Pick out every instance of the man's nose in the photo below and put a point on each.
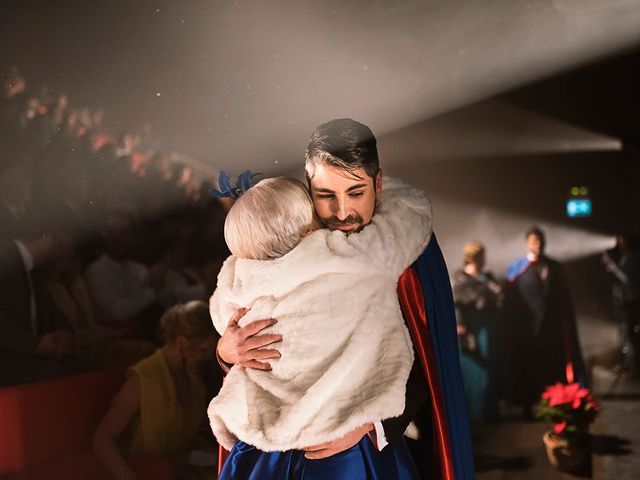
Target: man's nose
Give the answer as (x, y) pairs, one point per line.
(341, 210)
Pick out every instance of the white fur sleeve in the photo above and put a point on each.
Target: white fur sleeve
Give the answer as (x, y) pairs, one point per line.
(219, 307)
(400, 230)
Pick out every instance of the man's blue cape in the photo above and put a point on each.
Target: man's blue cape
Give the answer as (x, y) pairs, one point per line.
(434, 278)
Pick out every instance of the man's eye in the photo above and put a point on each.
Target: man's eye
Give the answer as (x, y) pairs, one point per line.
(356, 194)
(326, 196)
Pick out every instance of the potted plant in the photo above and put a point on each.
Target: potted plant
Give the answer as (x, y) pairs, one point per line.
(571, 409)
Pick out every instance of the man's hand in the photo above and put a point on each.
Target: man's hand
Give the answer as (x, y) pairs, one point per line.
(244, 347)
(325, 450)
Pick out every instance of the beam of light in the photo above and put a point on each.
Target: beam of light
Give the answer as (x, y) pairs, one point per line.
(272, 72)
(503, 235)
(489, 130)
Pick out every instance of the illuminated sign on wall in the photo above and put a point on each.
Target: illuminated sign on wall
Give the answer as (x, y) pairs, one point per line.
(579, 204)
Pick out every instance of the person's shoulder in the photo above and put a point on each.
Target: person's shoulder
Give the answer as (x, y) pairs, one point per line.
(137, 267)
(518, 262)
(552, 262)
(459, 276)
(490, 276)
(98, 264)
(516, 267)
(148, 367)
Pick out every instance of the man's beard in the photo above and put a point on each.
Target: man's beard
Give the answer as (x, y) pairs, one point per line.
(332, 223)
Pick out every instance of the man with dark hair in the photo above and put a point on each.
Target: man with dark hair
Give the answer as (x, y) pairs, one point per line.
(345, 181)
(345, 144)
(539, 308)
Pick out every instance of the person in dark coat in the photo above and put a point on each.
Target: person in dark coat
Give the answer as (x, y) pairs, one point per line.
(543, 336)
(623, 265)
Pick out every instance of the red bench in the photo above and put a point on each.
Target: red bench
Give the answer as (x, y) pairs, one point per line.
(46, 430)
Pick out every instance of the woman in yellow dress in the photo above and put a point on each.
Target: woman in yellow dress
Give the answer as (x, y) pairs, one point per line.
(161, 408)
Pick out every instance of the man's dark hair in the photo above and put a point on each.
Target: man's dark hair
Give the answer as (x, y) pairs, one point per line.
(536, 231)
(342, 143)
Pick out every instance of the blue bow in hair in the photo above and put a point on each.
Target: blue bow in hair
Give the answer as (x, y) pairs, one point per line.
(243, 184)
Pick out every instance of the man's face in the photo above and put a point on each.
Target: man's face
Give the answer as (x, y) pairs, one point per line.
(342, 200)
(119, 237)
(534, 245)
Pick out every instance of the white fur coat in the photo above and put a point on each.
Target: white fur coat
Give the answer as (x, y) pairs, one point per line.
(346, 352)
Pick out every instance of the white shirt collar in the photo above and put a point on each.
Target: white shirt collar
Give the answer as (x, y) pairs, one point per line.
(531, 257)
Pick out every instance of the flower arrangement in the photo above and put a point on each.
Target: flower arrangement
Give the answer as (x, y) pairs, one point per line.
(570, 408)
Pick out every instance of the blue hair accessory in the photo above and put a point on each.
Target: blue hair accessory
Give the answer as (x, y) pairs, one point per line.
(244, 183)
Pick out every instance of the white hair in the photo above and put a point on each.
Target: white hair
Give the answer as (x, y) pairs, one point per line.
(270, 219)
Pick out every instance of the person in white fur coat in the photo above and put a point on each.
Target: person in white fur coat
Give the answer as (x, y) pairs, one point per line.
(346, 353)
(345, 181)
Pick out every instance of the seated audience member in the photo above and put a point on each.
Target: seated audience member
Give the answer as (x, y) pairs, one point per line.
(122, 289)
(181, 283)
(161, 408)
(35, 343)
(72, 303)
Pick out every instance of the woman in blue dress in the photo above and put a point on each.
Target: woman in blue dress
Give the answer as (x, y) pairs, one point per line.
(478, 299)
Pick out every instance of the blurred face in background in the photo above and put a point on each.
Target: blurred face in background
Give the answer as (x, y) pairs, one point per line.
(535, 245)
(119, 236)
(480, 260)
(344, 200)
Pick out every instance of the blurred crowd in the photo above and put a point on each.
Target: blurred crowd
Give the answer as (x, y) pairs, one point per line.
(101, 233)
(519, 334)
(109, 248)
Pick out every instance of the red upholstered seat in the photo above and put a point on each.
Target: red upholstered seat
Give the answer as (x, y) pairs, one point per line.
(85, 466)
(46, 429)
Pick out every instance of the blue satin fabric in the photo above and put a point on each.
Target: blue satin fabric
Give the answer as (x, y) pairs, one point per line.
(361, 462)
(434, 277)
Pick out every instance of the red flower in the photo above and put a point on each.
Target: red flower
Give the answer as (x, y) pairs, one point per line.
(560, 394)
(558, 428)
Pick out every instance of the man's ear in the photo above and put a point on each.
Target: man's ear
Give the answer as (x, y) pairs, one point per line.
(379, 182)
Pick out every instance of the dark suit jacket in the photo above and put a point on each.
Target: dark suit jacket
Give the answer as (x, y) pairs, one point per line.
(16, 333)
